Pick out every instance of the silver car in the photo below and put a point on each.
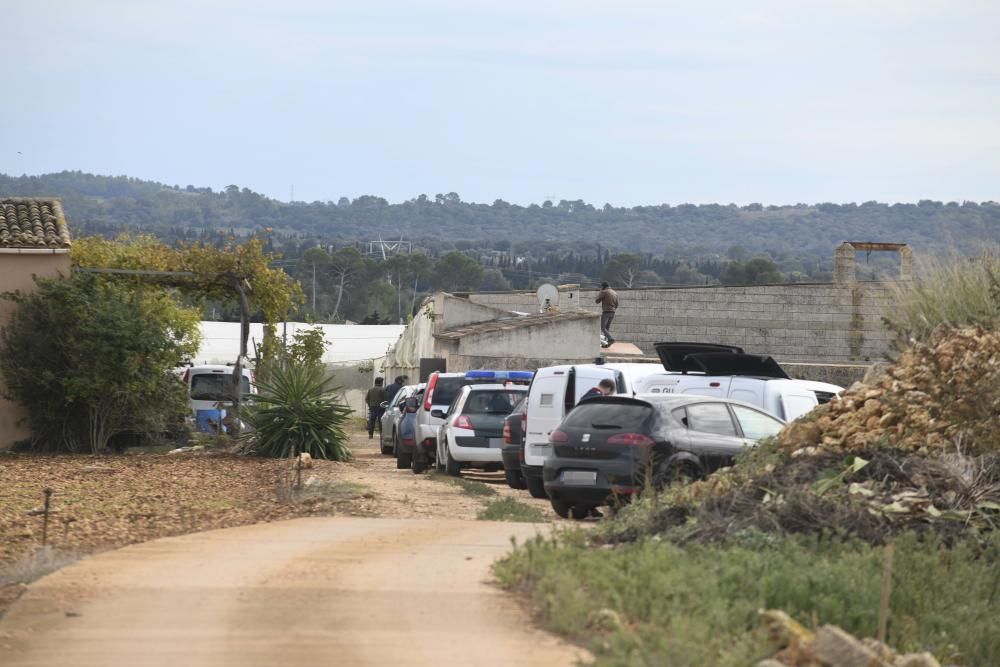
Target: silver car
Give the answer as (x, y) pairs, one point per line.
(392, 416)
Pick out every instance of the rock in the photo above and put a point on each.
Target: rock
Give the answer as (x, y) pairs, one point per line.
(836, 648)
(916, 660)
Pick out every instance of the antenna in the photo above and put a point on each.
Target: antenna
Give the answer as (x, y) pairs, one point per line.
(548, 298)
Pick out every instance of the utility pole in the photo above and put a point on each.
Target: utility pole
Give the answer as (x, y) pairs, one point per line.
(314, 288)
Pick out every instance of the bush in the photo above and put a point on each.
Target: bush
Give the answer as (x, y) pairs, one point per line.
(299, 407)
(955, 290)
(656, 603)
(91, 358)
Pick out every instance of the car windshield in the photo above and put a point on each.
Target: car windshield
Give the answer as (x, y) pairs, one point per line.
(215, 387)
(608, 415)
(499, 402)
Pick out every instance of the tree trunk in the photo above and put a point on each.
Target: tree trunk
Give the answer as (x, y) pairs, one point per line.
(340, 295)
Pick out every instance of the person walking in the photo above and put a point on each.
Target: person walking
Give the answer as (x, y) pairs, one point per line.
(393, 389)
(608, 299)
(374, 399)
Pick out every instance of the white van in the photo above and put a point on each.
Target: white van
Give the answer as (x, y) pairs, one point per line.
(208, 387)
(556, 390)
(687, 368)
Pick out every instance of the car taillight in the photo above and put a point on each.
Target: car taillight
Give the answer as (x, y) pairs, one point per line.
(409, 441)
(524, 423)
(557, 437)
(429, 393)
(631, 440)
(462, 421)
(506, 433)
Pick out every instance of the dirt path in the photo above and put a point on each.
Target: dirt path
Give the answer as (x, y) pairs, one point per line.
(316, 591)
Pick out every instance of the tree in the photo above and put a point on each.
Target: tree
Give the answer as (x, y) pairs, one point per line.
(757, 271)
(90, 358)
(494, 281)
(345, 265)
(622, 270)
(456, 272)
(307, 348)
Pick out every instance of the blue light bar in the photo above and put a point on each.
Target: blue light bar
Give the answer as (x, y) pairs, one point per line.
(499, 375)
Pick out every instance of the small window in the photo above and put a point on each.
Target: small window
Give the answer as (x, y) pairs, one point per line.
(756, 425)
(710, 418)
(545, 400)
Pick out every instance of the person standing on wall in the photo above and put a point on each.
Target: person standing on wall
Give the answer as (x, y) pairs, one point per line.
(374, 399)
(608, 299)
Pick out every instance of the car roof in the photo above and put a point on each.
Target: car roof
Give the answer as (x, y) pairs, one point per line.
(673, 401)
(496, 386)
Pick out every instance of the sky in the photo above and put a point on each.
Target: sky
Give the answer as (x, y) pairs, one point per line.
(627, 102)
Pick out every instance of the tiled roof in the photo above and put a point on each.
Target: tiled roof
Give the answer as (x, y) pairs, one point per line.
(32, 223)
(509, 324)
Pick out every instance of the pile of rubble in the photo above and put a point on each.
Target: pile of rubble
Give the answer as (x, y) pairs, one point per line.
(940, 397)
(830, 646)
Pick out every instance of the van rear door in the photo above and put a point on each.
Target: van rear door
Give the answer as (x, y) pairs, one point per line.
(545, 410)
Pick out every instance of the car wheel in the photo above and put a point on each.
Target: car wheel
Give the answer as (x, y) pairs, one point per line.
(681, 473)
(561, 507)
(515, 479)
(535, 487)
(418, 465)
(454, 467)
(580, 512)
(403, 459)
(388, 449)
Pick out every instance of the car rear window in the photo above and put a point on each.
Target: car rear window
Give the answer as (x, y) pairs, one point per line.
(608, 415)
(215, 386)
(447, 389)
(499, 402)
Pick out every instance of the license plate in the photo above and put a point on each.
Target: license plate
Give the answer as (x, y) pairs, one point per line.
(496, 443)
(583, 477)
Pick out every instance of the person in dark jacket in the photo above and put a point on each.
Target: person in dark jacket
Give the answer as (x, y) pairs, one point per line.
(393, 389)
(374, 399)
(605, 387)
(608, 299)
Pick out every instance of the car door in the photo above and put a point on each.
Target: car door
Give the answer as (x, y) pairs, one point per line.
(712, 434)
(756, 424)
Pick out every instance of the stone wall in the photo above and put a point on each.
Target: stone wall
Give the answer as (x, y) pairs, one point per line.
(811, 323)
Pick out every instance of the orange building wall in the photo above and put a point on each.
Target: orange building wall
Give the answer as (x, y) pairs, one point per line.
(16, 272)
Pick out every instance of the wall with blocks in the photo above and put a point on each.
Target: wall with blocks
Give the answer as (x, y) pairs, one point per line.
(836, 323)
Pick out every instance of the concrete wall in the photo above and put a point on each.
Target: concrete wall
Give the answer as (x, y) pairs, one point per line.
(813, 323)
(16, 273)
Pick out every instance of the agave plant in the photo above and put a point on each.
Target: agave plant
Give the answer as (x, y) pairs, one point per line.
(298, 408)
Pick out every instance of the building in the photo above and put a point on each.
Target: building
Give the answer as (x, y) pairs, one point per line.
(458, 335)
(34, 242)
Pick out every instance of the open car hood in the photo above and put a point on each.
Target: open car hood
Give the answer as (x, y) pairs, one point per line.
(713, 359)
(672, 355)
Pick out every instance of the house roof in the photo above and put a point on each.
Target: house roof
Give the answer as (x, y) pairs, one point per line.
(32, 223)
(512, 323)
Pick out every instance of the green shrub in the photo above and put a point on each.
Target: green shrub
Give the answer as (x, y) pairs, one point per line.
(299, 407)
(954, 289)
(656, 603)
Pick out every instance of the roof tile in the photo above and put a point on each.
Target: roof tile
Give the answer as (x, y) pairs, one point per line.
(32, 223)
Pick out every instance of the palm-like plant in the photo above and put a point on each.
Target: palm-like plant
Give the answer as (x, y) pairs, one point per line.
(298, 408)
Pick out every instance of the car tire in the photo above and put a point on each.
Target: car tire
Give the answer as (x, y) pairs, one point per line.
(580, 512)
(418, 465)
(536, 487)
(680, 473)
(561, 507)
(403, 460)
(453, 467)
(387, 450)
(515, 479)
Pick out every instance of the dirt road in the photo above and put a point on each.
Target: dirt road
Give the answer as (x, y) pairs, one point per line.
(315, 591)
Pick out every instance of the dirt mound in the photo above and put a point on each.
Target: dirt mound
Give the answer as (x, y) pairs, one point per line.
(940, 397)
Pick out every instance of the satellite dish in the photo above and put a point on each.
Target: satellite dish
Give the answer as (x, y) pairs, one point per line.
(548, 297)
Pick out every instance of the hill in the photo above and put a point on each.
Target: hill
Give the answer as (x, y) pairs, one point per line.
(107, 205)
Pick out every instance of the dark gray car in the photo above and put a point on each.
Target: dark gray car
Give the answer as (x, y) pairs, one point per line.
(610, 446)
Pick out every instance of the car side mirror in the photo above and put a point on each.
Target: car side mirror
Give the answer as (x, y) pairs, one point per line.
(384, 404)
(437, 413)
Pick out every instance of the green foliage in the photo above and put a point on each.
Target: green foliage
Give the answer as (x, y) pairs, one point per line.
(510, 509)
(959, 291)
(456, 272)
(622, 270)
(90, 358)
(468, 486)
(655, 603)
(757, 271)
(298, 407)
(307, 347)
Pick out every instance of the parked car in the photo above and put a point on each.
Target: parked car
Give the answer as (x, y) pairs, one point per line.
(512, 451)
(471, 435)
(392, 416)
(210, 389)
(442, 388)
(608, 447)
(406, 435)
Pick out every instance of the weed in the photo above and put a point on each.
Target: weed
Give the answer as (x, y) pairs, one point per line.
(696, 604)
(509, 509)
(469, 487)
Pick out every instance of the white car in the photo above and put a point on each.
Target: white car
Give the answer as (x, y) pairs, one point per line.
(472, 433)
(210, 392)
